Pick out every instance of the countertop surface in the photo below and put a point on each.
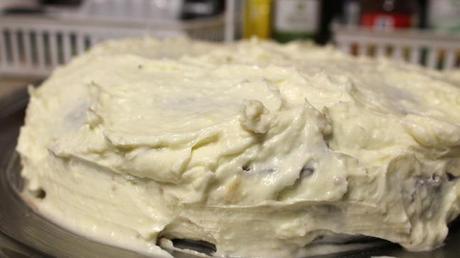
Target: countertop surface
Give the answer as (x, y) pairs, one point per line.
(9, 85)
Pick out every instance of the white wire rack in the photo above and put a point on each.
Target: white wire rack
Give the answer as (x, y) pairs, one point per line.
(430, 49)
(123, 10)
(33, 46)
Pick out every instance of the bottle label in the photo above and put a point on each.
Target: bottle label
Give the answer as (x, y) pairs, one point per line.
(444, 15)
(386, 21)
(296, 15)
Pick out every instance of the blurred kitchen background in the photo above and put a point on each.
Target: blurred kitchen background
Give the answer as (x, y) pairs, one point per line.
(38, 35)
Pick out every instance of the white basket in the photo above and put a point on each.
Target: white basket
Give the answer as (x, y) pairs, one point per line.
(431, 49)
(33, 46)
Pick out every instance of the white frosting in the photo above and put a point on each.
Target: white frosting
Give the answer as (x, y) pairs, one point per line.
(255, 147)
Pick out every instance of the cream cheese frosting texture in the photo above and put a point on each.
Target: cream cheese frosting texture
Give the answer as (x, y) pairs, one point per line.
(255, 147)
